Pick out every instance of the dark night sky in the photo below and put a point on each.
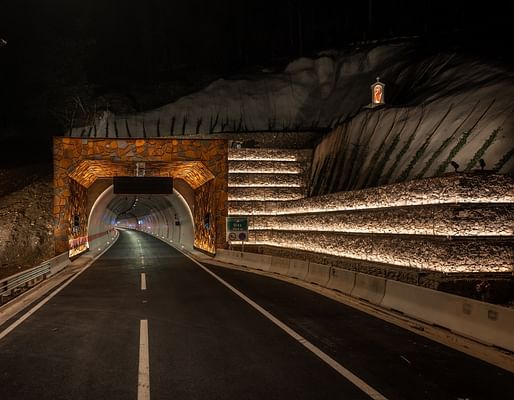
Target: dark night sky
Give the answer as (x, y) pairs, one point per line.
(56, 48)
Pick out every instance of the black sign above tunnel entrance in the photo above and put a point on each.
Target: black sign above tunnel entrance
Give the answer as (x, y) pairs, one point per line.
(142, 185)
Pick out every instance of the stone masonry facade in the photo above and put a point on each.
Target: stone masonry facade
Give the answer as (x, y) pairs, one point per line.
(78, 162)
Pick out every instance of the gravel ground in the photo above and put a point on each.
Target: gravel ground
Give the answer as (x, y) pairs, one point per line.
(26, 222)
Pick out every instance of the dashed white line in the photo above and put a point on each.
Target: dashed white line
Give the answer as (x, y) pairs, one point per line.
(143, 381)
(143, 281)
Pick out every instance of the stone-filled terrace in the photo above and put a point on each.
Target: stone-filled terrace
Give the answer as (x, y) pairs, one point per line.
(457, 223)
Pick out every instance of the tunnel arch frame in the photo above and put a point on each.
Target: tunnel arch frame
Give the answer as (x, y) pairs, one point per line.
(71, 187)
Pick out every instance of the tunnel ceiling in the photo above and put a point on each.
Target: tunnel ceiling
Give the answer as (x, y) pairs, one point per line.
(125, 206)
(195, 173)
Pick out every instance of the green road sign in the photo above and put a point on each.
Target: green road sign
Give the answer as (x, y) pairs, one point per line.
(237, 229)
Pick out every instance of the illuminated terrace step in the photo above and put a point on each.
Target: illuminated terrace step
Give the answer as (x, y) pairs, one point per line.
(265, 180)
(450, 189)
(266, 167)
(439, 220)
(265, 193)
(423, 253)
(269, 155)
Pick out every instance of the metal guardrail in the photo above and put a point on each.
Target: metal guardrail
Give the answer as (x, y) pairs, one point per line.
(15, 284)
(24, 278)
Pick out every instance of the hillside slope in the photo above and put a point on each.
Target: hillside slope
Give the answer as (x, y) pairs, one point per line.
(441, 107)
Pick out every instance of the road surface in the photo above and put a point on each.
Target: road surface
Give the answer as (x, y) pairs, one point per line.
(145, 321)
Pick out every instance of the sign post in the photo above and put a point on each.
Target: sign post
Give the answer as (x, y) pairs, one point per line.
(237, 229)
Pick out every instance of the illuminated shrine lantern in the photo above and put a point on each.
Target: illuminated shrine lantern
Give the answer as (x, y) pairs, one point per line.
(377, 93)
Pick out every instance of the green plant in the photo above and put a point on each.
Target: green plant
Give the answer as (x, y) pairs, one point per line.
(481, 151)
(460, 144)
(376, 154)
(504, 160)
(375, 177)
(387, 176)
(399, 156)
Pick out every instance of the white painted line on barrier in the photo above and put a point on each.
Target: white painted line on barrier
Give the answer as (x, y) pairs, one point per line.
(143, 281)
(354, 379)
(143, 381)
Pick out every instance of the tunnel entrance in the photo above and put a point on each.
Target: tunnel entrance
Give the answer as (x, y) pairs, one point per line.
(87, 210)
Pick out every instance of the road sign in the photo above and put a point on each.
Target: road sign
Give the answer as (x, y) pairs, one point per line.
(237, 229)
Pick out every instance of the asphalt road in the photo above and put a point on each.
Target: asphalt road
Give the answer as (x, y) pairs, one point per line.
(205, 342)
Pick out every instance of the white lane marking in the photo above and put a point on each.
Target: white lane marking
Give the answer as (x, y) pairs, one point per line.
(143, 281)
(370, 391)
(24, 317)
(143, 381)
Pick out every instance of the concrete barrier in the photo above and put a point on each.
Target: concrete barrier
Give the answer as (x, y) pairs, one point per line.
(229, 256)
(481, 321)
(318, 273)
(298, 269)
(486, 323)
(341, 280)
(256, 261)
(279, 265)
(250, 260)
(59, 262)
(368, 287)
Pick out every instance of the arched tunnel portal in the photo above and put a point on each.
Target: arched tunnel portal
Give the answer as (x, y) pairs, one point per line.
(86, 208)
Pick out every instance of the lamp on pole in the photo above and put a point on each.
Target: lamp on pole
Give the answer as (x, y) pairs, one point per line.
(3, 42)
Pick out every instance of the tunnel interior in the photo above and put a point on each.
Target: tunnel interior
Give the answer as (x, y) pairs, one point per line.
(165, 216)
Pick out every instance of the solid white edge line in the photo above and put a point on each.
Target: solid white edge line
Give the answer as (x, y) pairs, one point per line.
(29, 313)
(143, 281)
(143, 381)
(354, 379)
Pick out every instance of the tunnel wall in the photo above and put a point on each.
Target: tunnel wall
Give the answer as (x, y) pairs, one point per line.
(173, 223)
(101, 221)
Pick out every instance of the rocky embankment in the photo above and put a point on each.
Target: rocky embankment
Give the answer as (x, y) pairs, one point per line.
(26, 222)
